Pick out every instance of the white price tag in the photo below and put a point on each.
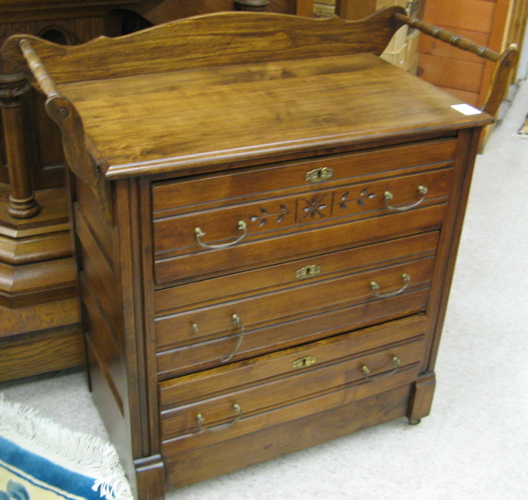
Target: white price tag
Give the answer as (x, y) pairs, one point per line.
(466, 109)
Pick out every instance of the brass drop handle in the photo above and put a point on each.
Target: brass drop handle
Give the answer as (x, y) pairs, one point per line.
(402, 208)
(366, 370)
(237, 323)
(242, 226)
(200, 419)
(375, 287)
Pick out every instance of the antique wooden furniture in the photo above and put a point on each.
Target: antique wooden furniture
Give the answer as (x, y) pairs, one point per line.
(266, 220)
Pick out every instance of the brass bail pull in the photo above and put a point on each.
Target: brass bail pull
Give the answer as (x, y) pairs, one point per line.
(199, 234)
(366, 370)
(200, 420)
(375, 287)
(388, 196)
(237, 323)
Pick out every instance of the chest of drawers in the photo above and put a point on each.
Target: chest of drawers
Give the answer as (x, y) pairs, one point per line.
(265, 236)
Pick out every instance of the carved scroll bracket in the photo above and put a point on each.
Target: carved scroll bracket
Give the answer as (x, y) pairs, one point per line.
(500, 80)
(65, 115)
(80, 161)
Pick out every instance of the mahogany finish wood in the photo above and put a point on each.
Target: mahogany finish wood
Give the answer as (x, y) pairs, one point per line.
(266, 223)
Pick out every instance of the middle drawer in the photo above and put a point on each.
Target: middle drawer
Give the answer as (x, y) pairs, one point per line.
(360, 286)
(196, 403)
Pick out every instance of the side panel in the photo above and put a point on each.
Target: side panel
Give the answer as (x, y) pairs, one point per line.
(111, 306)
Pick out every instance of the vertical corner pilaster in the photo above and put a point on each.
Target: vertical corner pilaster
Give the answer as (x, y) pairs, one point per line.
(150, 477)
(422, 397)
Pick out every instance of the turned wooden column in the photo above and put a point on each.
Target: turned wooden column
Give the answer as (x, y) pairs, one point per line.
(22, 203)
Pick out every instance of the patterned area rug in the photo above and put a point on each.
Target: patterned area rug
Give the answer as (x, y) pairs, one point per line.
(523, 131)
(41, 460)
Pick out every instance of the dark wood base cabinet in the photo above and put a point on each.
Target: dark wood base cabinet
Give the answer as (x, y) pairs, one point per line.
(266, 220)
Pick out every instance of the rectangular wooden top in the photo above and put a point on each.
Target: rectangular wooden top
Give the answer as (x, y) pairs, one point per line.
(165, 122)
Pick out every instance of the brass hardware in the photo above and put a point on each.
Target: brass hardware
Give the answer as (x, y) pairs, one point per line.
(237, 323)
(307, 272)
(195, 328)
(402, 208)
(241, 225)
(375, 287)
(200, 419)
(319, 175)
(366, 370)
(303, 362)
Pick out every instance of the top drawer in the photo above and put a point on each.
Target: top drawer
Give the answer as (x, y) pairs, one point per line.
(210, 236)
(183, 196)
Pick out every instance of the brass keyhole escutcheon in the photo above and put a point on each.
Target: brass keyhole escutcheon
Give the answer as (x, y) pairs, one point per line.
(319, 175)
(303, 362)
(307, 272)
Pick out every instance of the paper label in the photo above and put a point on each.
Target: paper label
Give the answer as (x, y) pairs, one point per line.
(466, 109)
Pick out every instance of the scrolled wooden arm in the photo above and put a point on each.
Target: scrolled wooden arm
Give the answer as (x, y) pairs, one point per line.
(38, 70)
(65, 115)
(500, 80)
(446, 36)
(505, 62)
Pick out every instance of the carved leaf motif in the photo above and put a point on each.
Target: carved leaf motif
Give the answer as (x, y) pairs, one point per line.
(280, 218)
(364, 194)
(343, 201)
(265, 215)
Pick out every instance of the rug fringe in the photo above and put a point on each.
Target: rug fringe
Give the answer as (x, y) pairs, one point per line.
(29, 429)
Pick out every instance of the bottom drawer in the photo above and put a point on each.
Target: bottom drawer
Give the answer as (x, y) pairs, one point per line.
(188, 466)
(208, 407)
